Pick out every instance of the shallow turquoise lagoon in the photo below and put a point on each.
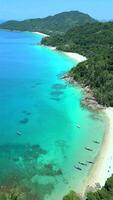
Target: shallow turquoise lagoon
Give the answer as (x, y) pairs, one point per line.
(39, 140)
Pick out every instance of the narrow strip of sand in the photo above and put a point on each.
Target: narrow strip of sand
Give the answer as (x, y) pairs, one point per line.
(103, 167)
(42, 34)
(75, 56)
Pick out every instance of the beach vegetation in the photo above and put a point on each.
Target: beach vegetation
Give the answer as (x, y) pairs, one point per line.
(71, 196)
(106, 193)
(94, 41)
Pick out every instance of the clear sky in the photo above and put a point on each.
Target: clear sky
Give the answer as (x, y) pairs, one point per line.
(22, 9)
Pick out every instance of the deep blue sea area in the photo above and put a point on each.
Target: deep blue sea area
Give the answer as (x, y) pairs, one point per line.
(40, 142)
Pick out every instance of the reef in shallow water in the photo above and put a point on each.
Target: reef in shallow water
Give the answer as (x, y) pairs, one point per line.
(20, 180)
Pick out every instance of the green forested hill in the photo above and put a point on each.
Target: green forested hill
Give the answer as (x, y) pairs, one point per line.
(95, 41)
(87, 39)
(58, 23)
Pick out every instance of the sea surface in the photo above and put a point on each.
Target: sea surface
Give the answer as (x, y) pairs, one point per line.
(40, 141)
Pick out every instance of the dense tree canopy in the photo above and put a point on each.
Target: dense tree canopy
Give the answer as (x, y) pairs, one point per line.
(58, 23)
(95, 41)
(71, 196)
(106, 193)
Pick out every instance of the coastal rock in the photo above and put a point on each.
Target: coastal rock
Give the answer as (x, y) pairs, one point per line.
(69, 79)
(88, 100)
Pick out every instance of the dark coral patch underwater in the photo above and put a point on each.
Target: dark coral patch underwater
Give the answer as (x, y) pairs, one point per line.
(24, 120)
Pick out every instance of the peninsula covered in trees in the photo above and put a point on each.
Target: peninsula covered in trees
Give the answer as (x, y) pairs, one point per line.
(59, 23)
(95, 41)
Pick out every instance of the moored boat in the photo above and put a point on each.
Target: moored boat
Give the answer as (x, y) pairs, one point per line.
(19, 133)
(78, 168)
(88, 149)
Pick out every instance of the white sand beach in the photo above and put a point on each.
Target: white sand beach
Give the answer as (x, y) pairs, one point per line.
(52, 48)
(103, 167)
(75, 56)
(42, 34)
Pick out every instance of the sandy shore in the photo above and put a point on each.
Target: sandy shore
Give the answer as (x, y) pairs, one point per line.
(75, 56)
(103, 167)
(42, 34)
(50, 47)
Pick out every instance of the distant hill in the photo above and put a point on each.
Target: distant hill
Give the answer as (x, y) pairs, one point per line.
(58, 23)
(95, 41)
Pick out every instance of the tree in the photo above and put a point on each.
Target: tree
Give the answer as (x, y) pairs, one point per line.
(71, 196)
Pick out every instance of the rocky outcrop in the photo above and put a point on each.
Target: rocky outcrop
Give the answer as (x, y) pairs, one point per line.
(88, 100)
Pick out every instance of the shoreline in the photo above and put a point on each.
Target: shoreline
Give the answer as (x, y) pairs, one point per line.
(74, 56)
(40, 33)
(103, 167)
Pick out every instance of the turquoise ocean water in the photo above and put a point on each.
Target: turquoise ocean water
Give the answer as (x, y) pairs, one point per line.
(39, 141)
